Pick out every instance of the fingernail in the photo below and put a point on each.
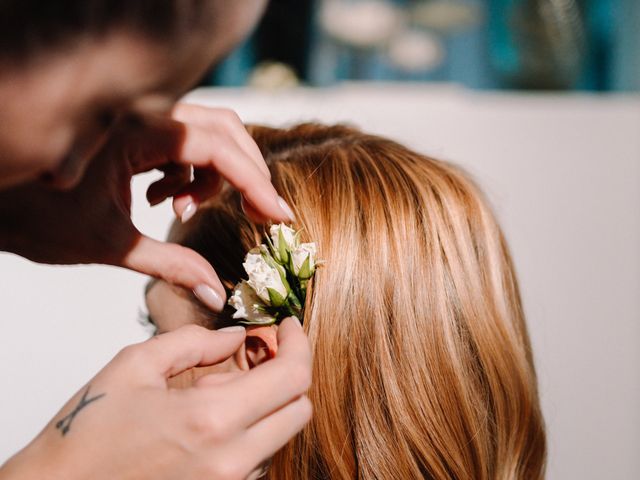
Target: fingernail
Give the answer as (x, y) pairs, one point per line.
(232, 329)
(189, 211)
(209, 297)
(286, 209)
(297, 320)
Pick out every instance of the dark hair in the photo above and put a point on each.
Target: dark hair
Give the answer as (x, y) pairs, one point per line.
(28, 27)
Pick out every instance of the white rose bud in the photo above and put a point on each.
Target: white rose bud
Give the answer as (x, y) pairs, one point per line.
(304, 260)
(247, 305)
(284, 240)
(288, 233)
(265, 280)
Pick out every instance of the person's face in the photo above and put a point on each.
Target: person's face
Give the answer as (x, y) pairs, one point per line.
(55, 113)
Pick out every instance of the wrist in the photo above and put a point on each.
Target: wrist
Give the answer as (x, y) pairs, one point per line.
(32, 463)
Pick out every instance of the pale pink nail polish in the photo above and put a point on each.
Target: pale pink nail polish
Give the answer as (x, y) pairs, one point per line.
(232, 329)
(189, 211)
(286, 209)
(209, 297)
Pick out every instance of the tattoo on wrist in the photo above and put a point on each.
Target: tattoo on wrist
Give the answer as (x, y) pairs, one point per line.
(64, 424)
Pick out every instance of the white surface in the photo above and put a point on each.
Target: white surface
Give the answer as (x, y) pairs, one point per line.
(564, 175)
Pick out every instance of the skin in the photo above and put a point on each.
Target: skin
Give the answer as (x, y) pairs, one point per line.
(109, 105)
(171, 308)
(42, 122)
(75, 127)
(143, 429)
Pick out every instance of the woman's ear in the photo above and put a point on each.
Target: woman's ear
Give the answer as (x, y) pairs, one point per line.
(260, 345)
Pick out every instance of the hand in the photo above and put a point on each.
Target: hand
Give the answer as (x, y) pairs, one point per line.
(126, 423)
(91, 221)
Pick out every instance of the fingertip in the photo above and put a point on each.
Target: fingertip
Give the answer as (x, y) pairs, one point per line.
(184, 207)
(251, 212)
(294, 321)
(188, 212)
(292, 340)
(208, 296)
(178, 265)
(232, 329)
(286, 209)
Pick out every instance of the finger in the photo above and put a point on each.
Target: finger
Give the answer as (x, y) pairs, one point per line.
(189, 377)
(285, 378)
(204, 149)
(266, 437)
(177, 265)
(206, 184)
(168, 354)
(214, 118)
(215, 379)
(251, 212)
(175, 179)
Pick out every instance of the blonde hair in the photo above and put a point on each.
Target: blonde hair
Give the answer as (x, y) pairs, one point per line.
(422, 362)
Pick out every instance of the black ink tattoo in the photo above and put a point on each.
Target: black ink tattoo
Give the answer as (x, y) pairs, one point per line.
(64, 425)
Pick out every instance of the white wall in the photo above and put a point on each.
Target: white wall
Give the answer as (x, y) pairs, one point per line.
(564, 175)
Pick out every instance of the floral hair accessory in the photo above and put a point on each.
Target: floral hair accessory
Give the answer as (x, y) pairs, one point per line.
(279, 273)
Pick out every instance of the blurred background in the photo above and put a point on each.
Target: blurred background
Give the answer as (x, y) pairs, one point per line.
(484, 44)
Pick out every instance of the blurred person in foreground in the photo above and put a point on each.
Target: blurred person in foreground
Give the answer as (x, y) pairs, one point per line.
(88, 99)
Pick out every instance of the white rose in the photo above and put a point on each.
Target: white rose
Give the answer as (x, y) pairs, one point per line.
(288, 233)
(263, 277)
(300, 255)
(290, 242)
(247, 305)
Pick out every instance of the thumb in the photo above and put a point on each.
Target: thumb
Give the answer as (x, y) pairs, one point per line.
(171, 353)
(177, 265)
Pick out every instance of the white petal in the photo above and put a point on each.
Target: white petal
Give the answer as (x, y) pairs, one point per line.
(288, 233)
(301, 253)
(263, 276)
(247, 303)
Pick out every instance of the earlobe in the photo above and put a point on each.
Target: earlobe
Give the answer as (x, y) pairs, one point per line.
(261, 344)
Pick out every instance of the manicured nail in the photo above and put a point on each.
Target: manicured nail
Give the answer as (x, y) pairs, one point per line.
(297, 320)
(286, 209)
(232, 329)
(189, 211)
(209, 297)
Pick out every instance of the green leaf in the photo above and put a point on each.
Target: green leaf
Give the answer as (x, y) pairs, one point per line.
(283, 249)
(294, 300)
(290, 266)
(305, 270)
(275, 298)
(283, 275)
(271, 247)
